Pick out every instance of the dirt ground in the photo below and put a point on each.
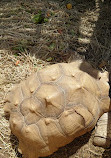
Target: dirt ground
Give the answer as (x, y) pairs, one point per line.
(63, 35)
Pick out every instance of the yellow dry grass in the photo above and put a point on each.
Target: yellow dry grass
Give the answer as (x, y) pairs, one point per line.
(25, 47)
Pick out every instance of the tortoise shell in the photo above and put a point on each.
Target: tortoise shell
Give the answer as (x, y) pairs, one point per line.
(55, 105)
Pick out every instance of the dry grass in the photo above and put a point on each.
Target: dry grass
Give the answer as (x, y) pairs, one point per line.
(25, 47)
